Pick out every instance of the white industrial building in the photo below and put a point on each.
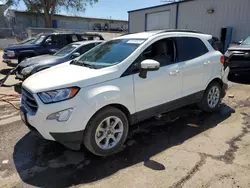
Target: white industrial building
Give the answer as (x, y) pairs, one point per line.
(228, 20)
(21, 20)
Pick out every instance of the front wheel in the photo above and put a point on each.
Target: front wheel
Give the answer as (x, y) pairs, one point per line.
(106, 132)
(211, 98)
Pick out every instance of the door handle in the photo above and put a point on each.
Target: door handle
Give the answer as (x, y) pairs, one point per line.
(174, 73)
(206, 62)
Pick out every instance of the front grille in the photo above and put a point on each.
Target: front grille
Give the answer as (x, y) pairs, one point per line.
(29, 102)
(239, 58)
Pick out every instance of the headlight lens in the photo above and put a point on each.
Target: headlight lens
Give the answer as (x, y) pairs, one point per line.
(28, 70)
(58, 95)
(10, 53)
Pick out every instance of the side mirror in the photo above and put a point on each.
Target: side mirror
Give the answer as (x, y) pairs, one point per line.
(75, 55)
(240, 42)
(148, 65)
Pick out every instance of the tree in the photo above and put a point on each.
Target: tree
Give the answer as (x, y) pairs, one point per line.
(50, 7)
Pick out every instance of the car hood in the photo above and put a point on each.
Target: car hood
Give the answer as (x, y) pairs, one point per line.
(41, 60)
(21, 46)
(239, 47)
(67, 75)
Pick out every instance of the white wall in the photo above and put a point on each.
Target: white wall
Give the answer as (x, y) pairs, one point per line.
(137, 19)
(193, 15)
(227, 13)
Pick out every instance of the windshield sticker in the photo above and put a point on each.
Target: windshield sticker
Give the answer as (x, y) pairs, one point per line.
(135, 41)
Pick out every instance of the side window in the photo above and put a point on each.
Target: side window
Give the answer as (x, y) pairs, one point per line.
(85, 48)
(74, 38)
(162, 51)
(190, 48)
(48, 41)
(53, 40)
(216, 44)
(61, 40)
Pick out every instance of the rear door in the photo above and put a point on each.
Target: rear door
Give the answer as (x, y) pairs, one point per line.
(194, 64)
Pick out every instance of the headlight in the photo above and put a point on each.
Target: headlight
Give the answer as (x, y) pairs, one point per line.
(58, 95)
(10, 53)
(28, 70)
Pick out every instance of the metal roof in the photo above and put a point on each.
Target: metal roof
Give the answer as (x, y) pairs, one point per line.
(167, 4)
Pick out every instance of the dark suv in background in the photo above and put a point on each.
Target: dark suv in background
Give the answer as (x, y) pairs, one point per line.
(47, 43)
(237, 58)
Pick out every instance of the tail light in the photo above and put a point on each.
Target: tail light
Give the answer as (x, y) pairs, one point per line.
(222, 59)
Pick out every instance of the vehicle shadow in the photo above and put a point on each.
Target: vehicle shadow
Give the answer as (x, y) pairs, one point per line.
(43, 163)
(5, 71)
(239, 78)
(18, 88)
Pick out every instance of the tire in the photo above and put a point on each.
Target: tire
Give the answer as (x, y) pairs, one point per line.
(97, 129)
(211, 99)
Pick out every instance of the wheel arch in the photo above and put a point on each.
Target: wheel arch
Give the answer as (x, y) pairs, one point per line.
(121, 107)
(218, 80)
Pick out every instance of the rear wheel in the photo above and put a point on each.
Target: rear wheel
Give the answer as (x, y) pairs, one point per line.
(106, 132)
(211, 98)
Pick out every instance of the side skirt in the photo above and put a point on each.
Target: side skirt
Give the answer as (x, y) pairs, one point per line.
(166, 107)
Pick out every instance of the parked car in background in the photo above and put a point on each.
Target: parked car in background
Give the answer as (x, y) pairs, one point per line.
(47, 43)
(32, 65)
(238, 58)
(26, 41)
(94, 100)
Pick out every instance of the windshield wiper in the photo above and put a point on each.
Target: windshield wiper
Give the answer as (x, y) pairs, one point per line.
(75, 62)
(81, 63)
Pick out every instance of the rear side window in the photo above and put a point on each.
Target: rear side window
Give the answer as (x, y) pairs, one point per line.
(86, 48)
(189, 48)
(216, 44)
(74, 38)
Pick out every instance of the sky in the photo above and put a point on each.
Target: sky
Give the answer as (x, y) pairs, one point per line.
(117, 9)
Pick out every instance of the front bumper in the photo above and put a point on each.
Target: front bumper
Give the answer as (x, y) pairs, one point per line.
(7, 59)
(237, 63)
(69, 133)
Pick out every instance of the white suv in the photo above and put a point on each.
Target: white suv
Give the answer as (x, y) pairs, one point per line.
(93, 100)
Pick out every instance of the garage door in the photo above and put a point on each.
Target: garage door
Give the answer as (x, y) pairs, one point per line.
(157, 20)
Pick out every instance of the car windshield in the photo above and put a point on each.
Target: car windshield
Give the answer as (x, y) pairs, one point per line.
(247, 41)
(67, 50)
(110, 53)
(39, 39)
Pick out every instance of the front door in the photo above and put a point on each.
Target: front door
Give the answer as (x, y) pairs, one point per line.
(157, 93)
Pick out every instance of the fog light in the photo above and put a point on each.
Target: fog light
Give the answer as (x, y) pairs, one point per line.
(61, 116)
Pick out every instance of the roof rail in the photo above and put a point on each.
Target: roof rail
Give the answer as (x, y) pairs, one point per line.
(179, 30)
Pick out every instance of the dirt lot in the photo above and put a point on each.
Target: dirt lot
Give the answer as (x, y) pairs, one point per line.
(187, 148)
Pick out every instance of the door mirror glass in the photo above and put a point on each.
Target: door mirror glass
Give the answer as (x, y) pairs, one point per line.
(75, 55)
(148, 65)
(240, 42)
